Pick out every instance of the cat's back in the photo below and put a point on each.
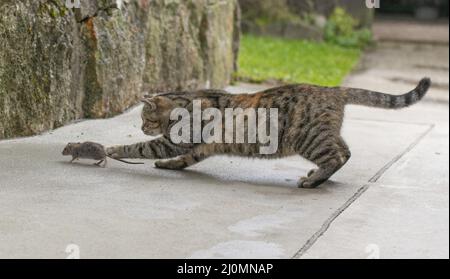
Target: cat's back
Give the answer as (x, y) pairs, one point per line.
(301, 89)
(286, 96)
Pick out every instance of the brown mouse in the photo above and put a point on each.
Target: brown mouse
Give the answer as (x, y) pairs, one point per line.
(90, 150)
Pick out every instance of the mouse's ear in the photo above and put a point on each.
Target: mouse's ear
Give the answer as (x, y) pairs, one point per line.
(149, 103)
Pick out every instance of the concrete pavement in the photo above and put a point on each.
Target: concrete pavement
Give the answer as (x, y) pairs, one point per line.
(390, 200)
(404, 211)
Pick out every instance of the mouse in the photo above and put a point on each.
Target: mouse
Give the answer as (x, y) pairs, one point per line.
(90, 150)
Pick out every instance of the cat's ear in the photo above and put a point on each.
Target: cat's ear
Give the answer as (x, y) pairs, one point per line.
(181, 103)
(149, 102)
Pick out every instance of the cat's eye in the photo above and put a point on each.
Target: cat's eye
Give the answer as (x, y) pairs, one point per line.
(151, 124)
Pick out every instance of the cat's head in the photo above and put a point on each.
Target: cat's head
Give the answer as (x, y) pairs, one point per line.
(156, 114)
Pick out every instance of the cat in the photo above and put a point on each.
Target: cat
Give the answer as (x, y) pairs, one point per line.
(309, 125)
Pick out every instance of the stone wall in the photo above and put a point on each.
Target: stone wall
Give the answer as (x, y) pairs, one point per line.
(59, 64)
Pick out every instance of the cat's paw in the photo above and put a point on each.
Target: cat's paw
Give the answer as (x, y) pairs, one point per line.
(305, 182)
(115, 152)
(170, 165)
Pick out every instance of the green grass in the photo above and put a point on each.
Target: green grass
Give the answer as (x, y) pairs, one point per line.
(294, 61)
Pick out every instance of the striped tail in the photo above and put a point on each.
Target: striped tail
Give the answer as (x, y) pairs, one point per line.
(387, 101)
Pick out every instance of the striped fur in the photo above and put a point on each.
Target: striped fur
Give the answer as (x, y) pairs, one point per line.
(386, 101)
(309, 121)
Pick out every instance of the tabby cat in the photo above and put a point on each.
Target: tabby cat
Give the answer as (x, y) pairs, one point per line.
(309, 125)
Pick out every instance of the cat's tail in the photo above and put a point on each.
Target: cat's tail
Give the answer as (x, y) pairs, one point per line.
(387, 101)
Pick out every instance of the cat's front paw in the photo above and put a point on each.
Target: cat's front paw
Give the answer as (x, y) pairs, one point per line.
(115, 152)
(170, 165)
(306, 182)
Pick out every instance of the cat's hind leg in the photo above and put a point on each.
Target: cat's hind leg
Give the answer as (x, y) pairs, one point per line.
(329, 156)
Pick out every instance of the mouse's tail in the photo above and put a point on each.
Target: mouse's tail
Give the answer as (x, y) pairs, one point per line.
(126, 162)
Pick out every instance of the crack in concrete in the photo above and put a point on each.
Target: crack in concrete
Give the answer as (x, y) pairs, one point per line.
(310, 242)
(399, 156)
(326, 225)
